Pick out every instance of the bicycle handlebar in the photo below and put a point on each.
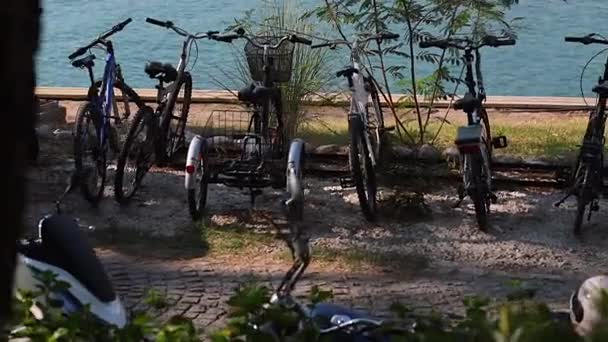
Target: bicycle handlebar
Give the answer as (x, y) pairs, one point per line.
(170, 25)
(332, 44)
(588, 39)
(463, 44)
(116, 28)
(240, 33)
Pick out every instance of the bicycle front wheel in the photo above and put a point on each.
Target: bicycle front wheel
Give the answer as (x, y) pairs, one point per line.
(136, 157)
(375, 122)
(89, 154)
(362, 169)
(477, 191)
(174, 120)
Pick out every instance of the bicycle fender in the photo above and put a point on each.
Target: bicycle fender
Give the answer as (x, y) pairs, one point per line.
(294, 160)
(194, 152)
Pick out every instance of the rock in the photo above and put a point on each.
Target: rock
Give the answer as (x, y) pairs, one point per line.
(451, 153)
(429, 152)
(403, 152)
(330, 149)
(507, 159)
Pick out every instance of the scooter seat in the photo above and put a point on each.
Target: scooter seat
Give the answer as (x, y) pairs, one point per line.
(65, 246)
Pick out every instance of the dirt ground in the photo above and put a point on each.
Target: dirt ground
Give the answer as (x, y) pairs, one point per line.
(436, 258)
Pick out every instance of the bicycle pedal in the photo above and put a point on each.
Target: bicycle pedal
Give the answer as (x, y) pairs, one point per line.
(499, 142)
(347, 182)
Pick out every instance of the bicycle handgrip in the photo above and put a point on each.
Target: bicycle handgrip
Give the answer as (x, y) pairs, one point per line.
(227, 38)
(77, 53)
(505, 42)
(432, 43)
(574, 39)
(122, 25)
(295, 39)
(158, 22)
(389, 35)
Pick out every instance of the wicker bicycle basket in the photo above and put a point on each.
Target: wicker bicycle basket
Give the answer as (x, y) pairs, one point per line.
(280, 59)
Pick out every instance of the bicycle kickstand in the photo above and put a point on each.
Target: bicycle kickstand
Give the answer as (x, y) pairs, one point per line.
(561, 201)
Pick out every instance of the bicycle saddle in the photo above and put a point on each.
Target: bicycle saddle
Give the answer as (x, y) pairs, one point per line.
(86, 62)
(468, 103)
(63, 245)
(255, 93)
(164, 72)
(601, 89)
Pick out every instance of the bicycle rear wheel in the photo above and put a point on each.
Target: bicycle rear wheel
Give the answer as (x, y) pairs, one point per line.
(362, 170)
(137, 156)
(477, 191)
(375, 122)
(173, 121)
(89, 154)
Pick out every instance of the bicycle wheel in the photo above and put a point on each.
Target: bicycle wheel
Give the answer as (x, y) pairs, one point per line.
(375, 123)
(197, 196)
(173, 121)
(89, 154)
(362, 170)
(137, 156)
(294, 180)
(477, 191)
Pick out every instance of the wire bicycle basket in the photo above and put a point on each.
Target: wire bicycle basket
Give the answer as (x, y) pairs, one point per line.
(280, 59)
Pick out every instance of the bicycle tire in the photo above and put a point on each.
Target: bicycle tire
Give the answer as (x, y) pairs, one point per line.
(197, 197)
(171, 140)
(377, 133)
(86, 116)
(478, 194)
(142, 122)
(366, 190)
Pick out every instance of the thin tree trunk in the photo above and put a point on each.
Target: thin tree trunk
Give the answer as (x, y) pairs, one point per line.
(19, 24)
(408, 20)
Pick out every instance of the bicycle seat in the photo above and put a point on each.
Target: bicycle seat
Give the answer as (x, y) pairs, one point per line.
(86, 62)
(164, 72)
(468, 103)
(256, 93)
(65, 246)
(347, 72)
(601, 89)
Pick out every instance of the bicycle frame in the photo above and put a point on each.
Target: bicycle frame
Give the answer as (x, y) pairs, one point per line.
(105, 104)
(478, 93)
(359, 96)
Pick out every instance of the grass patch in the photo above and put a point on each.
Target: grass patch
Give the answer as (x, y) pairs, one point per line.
(546, 135)
(357, 258)
(234, 240)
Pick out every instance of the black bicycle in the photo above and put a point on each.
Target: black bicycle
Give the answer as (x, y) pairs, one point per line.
(95, 135)
(587, 182)
(474, 141)
(156, 136)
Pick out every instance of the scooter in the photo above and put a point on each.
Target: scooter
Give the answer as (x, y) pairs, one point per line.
(63, 249)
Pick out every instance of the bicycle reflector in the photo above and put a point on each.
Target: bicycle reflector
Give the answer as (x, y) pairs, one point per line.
(468, 139)
(190, 169)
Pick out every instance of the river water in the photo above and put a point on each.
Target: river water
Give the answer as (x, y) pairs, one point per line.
(541, 64)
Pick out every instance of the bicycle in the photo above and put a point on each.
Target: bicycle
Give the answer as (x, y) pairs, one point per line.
(365, 123)
(474, 141)
(587, 179)
(163, 130)
(241, 149)
(94, 135)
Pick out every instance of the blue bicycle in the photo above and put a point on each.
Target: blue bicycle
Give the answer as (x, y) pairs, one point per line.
(95, 135)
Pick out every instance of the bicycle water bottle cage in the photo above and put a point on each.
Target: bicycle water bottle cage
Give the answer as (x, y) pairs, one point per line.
(162, 72)
(602, 88)
(468, 139)
(86, 62)
(468, 103)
